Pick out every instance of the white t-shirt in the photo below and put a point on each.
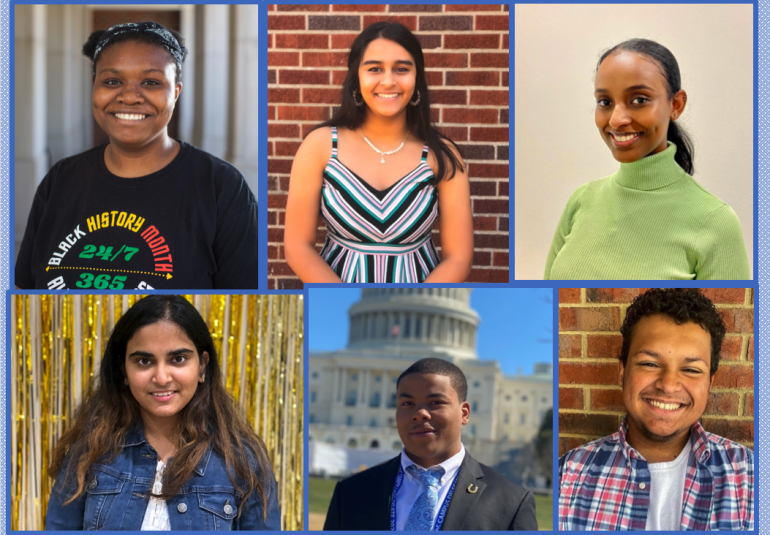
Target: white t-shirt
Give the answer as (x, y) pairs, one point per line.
(667, 492)
(411, 487)
(156, 514)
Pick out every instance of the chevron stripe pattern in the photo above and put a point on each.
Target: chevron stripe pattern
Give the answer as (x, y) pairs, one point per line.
(377, 236)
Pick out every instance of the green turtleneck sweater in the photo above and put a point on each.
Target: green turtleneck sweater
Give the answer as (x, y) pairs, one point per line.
(650, 220)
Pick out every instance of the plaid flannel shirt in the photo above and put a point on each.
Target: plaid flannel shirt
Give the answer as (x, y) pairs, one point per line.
(605, 485)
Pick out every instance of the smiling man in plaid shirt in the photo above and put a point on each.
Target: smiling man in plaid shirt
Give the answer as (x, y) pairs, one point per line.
(661, 470)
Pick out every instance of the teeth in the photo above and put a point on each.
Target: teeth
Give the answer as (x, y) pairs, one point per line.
(162, 394)
(387, 95)
(664, 406)
(624, 137)
(130, 116)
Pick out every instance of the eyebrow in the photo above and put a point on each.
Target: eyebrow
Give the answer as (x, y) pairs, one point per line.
(173, 353)
(377, 61)
(118, 71)
(632, 88)
(436, 395)
(653, 354)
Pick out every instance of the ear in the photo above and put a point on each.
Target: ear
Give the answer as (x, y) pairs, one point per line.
(465, 408)
(678, 104)
(621, 372)
(204, 362)
(177, 90)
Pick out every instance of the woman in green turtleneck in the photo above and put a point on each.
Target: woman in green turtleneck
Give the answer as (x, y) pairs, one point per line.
(650, 220)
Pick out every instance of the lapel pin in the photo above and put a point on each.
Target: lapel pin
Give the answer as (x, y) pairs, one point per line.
(473, 489)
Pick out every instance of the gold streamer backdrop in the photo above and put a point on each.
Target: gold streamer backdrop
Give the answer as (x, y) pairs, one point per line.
(58, 346)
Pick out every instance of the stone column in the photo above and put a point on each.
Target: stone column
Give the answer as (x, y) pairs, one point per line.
(30, 157)
(212, 45)
(336, 386)
(365, 379)
(343, 385)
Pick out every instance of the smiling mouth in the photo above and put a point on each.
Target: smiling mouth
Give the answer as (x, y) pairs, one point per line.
(421, 433)
(672, 407)
(388, 96)
(622, 140)
(130, 116)
(163, 395)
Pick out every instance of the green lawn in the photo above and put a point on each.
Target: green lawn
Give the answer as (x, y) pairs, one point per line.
(321, 490)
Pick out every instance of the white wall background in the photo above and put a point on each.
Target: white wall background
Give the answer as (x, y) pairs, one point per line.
(557, 144)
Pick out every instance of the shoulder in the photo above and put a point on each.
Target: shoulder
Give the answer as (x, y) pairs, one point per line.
(200, 160)
(497, 483)
(600, 452)
(74, 166)
(374, 475)
(729, 453)
(319, 140)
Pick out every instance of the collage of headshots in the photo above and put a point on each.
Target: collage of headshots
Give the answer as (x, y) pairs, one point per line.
(262, 275)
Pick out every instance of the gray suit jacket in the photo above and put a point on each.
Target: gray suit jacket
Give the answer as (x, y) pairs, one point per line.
(362, 501)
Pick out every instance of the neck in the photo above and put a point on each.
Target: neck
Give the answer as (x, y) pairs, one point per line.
(129, 161)
(427, 462)
(656, 450)
(162, 434)
(385, 129)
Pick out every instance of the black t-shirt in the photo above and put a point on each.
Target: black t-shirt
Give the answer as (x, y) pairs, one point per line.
(191, 225)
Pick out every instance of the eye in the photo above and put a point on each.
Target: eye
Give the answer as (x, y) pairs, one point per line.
(693, 370)
(406, 403)
(603, 102)
(374, 69)
(639, 101)
(151, 82)
(143, 361)
(648, 364)
(179, 359)
(111, 82)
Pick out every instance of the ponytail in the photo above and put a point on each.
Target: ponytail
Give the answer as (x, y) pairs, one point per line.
(685, 152)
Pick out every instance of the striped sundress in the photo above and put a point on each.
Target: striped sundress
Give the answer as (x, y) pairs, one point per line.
(378, 236)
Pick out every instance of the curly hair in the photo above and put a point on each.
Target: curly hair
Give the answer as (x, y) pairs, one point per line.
(682, 305)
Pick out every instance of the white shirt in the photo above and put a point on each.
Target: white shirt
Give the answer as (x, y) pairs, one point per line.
(667, 492)
(411, 487)
(156, 514)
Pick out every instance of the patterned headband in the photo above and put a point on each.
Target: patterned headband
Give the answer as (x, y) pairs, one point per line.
(159, 33)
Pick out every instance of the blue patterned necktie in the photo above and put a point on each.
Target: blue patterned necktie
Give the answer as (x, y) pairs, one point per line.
(425, 508)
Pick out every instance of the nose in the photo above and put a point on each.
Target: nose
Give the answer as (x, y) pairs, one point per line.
(420, 414)
(131, 94)
(620, 116)
(387, 78)
(162, 375)
(668, 380)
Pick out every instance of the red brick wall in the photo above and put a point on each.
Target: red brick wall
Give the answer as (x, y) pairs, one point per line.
(590, 398)
(466, 56)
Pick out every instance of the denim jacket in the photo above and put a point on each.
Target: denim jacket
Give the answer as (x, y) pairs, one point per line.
(118, 493)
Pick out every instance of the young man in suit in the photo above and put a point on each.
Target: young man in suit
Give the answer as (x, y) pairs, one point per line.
(434, 484)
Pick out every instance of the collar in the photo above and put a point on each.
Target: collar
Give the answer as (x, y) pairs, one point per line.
(135, 437)
(450, 466)
(699, 443)
(651, 172)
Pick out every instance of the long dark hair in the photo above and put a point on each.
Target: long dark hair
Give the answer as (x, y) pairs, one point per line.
(669, 69)
(210, 419)
(417, 117)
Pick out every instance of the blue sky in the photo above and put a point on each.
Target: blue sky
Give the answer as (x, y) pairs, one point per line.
(516, 323)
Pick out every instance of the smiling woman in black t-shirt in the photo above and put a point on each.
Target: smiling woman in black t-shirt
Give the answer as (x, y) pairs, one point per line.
(145, 211)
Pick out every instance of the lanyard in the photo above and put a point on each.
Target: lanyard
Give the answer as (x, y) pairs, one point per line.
(441, 512)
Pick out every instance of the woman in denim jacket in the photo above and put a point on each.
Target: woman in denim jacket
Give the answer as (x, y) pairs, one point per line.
(160, 445)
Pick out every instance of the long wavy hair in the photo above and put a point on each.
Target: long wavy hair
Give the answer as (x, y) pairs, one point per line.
(210, 420)
(417, 117)
(669, 69)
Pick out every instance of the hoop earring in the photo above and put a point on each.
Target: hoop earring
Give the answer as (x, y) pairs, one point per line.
(416, 102)
(359, 104)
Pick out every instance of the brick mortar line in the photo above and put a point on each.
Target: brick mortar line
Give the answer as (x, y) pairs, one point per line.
(626, 305)
(600, 360)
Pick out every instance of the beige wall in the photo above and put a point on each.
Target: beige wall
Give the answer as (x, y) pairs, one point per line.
(557, 145)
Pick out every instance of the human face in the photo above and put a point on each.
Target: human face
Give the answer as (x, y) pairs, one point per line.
(163, 370)
(429, 417)
(387, 77)
(135, 93)
(633, 108)
(666, 379)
